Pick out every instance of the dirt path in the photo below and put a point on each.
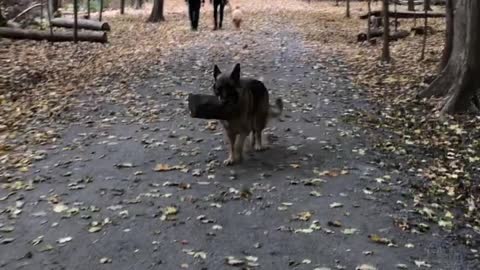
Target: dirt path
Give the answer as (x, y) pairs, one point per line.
(309, 202)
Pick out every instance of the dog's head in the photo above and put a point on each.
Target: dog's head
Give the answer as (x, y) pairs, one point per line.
(225, 86)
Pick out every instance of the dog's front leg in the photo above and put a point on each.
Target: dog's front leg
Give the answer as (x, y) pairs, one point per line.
(231, 136)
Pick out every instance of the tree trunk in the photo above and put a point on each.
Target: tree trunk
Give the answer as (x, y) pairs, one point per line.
(447, 51)
(395, 15)
(139, 4)
(82, 24)
(88, 9)
(386, 33)
(15, 33)
(458, 81)
(411, 5)
(157, 12)
(75, 21)
(425, 34)
(427, 5)
(53, 5)
(369, 21)
(101, 11)
(348, 9)
(122, 7)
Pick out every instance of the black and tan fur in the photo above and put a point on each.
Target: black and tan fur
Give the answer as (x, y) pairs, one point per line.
(250, 100)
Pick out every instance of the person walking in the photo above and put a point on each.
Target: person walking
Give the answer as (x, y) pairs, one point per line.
(194, 12)
(218, 7)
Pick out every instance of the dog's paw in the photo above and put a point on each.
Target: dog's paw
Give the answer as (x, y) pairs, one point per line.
(228, 162)
(260, 148)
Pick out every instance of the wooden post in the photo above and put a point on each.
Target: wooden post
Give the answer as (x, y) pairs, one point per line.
(75, 21)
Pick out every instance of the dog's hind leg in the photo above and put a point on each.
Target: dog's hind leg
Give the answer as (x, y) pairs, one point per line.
(238, 149)
(258, 141)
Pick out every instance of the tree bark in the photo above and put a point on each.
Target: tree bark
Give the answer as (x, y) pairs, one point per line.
(458, 82)
(386, 33)
(15, 33)
(447, 51)
(82, 24)
(157, 12)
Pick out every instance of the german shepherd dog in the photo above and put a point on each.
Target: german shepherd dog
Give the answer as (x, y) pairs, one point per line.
(250, 102)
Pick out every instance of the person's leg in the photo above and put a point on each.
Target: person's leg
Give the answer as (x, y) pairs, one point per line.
(196, 13)
(191, 13)
(215, 14)
(222, 7)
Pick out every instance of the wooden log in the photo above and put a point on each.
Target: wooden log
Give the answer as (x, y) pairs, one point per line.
(14, 33)
(404, 15)
(209, 107)
(421, 30)
(82, 24)
(379, 32)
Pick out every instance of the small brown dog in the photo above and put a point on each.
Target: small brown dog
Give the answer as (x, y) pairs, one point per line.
(237, 17)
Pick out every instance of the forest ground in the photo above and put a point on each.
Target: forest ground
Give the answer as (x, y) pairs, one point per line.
(102, 167)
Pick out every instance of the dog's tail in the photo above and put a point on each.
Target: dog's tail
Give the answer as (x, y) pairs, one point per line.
(277, 109)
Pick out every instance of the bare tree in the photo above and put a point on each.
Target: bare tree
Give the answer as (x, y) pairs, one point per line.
(386, 32)
(157, 12)
(447, 51)
(75, 21)
(369, 19)
(139, 4)
(53, 6)
(348, 9)
(122, 7)
(458, 82)
(411, 5)
(101, 11)
(425, 32)
(88, 9)
(427, 5)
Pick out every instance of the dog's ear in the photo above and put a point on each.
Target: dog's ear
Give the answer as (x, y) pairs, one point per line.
(235, 76)
(216, 72)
